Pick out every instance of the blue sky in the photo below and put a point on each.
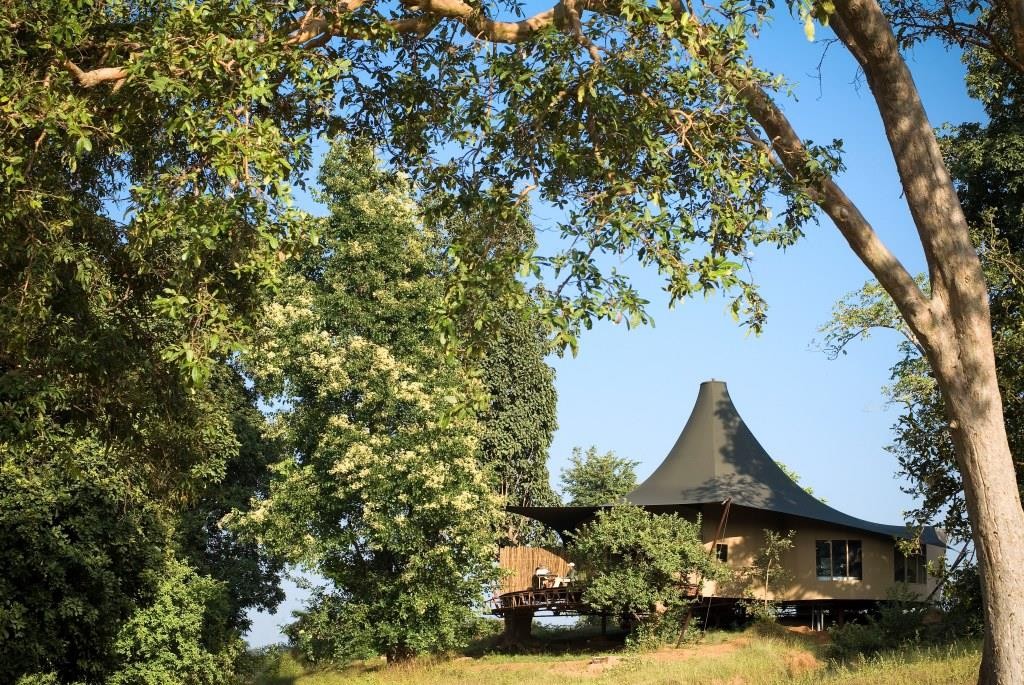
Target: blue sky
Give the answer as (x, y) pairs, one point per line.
(631, 390)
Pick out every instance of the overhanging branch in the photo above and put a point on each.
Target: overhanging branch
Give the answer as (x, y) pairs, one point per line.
(847, 217)
(317, 27)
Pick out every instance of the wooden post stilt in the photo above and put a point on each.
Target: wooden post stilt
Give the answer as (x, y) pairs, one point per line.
(518, 626)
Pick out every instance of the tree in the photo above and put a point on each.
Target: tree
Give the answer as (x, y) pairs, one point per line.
(89, 580)
(90, 522)
(380, 489)
(647, 123)
(986, 163)
(519, 419)
(632, 562)
(139, 228)
(768, 570)
(177, 638)
(78, 554)
(250, 575)
(795, 477)
(594, 479)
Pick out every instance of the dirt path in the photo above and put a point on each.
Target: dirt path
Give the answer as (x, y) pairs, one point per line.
(797, 660)
(598, 665)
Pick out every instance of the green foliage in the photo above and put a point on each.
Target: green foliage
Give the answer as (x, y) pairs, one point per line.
(795, 477)
(898, 624)
(904, 620)
(141, 222)
(634, 562)
(769, 573)
(961, 602)
(251, 576)
(647, 153)
(504, 338)
(381, 490)
(180, 636)
(519, 420)
(331, 630)
(87, 590)
(169, 185)
(594, 479)
(660, 629)
(81, 544)
(854, 640)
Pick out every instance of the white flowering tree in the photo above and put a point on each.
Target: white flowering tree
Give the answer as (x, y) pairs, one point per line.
(382, 492)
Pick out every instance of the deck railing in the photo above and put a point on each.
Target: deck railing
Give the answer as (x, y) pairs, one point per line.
(557, 600)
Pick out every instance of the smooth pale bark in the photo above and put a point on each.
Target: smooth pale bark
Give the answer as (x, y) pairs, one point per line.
(953, 324)
(967, 378)
(956, 335)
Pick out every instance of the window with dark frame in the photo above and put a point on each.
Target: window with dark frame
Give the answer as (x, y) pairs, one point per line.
(912, 568)
(838, 560)
(722, 552)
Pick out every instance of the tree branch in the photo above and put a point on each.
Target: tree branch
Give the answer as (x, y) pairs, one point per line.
(1014, 10)
(90, 79)
(858, 232)
(488, 29)
(316, 28)
(954, 269)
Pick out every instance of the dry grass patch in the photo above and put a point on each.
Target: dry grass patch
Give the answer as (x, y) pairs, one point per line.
(747, 659)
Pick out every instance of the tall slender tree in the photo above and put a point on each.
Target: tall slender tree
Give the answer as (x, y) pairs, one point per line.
(380, 489)
(520, 419)
(987, 164)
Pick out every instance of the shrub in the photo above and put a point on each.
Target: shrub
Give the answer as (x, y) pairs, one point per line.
(180, 637)
(638, 564)
(658, 630)
(899, 623)
(961, 603)
(855, 639)
(330, 630)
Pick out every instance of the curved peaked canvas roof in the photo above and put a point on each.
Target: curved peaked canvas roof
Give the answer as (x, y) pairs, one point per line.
(717, 457)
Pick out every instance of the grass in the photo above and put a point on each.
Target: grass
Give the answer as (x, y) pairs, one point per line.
(721, 659)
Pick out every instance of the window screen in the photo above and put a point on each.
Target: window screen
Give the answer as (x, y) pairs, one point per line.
(911, 569)
(838, 559)
(823, 562)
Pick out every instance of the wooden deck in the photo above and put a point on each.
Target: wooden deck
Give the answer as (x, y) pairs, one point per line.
(557, 600)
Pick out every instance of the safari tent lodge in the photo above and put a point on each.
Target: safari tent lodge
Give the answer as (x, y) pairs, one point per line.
(717, 469)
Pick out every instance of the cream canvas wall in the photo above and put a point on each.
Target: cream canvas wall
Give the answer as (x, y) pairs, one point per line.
(744, 535)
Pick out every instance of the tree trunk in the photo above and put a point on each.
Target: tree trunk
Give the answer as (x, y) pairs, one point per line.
(953, 324)
(957, 336)
(399, 654)
(1014, 10)
(978, 429)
